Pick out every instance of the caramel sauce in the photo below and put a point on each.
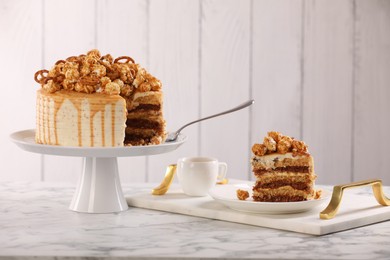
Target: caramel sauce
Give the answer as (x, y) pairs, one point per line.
(103, 132)
(57, 106)
(112, 124)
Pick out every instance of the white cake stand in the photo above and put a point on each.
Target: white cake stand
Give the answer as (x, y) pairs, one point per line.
(99, 189)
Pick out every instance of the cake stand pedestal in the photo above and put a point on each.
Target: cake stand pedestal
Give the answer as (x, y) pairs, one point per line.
(99, 188)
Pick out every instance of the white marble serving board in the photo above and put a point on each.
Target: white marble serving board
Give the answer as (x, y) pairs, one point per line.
(355, 211)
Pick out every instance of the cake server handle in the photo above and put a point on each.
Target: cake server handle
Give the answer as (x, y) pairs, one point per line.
(173, 136)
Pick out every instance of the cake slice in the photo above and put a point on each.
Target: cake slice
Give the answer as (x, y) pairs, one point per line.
(284, 170)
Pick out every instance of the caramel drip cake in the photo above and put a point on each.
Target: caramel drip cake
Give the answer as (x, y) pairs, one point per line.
(97, 101)
(283, 168)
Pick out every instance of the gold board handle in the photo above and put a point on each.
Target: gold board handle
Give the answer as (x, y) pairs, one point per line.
(334, 204)
(166, 182)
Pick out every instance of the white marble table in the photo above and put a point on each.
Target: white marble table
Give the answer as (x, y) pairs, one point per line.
(35, 221)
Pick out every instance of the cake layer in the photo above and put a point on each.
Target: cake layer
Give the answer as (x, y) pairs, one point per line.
(145, 123)
(150, 100)
(286, 177)
(69, 118)
(282, 194)
(143, 133)
(134, 139)
(148, 97)
(296, 169)
(275, 160)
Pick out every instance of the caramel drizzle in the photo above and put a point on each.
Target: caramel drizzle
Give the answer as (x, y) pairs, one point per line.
(57, 106)
(91, 115)
(103, 130)
(113, 124)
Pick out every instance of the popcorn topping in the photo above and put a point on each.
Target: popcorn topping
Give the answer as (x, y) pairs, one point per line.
(276, 142)
(95, 73)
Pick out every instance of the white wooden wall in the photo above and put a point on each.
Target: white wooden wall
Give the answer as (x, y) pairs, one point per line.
(318, 70)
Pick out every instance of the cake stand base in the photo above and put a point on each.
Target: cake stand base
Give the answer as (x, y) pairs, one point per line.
(99, 189)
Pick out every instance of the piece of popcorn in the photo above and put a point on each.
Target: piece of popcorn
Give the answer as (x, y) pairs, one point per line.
(299, 147)
(79, 87)
(270, 143)
(119, 82)
(104, 81)
(155, 84)
(124, 72)
(71, 73)
(98, 70)
(275, 135)
(106, 59)
(56, 70)
(284, 144)
(68, 84)
(140, 78)
(85, 70)
(126, 90)
(51, 86)
(94, 54)
(144, 87)
(112, 88)
(259, 149)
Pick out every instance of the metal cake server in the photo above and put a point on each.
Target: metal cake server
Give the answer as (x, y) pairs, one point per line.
(173, 136)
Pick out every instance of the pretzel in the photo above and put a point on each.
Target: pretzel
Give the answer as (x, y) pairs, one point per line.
(127, 58)
(59, 79)
(59, 61)
(72, 58)
(42, 76)
(45, 80)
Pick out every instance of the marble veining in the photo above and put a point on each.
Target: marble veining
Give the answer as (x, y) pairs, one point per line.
(35, 221)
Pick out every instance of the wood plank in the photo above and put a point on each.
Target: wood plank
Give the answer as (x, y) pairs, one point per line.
(327, 101)
(276, 68)
(372, 91)
(174, 59)
(69, 30)
(20, 50)
(225, 34)
(122, 29)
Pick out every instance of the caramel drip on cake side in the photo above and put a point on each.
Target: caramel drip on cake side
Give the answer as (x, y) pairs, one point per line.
(103, 130)
(79, 130)
(37, 120)
(112, 123)
(91, 116)
(57, 106)
(45, 121)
